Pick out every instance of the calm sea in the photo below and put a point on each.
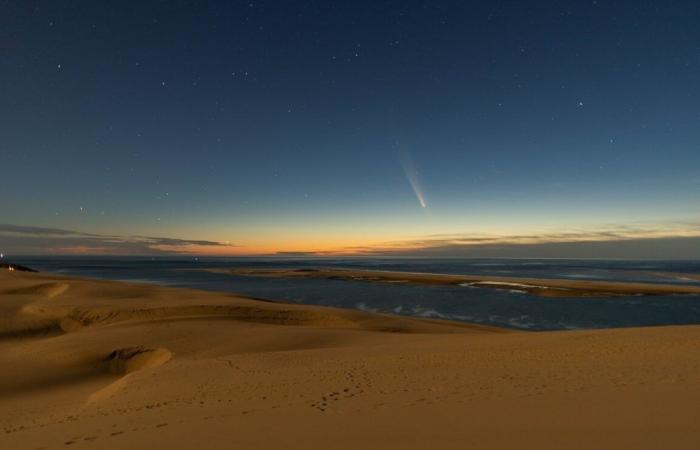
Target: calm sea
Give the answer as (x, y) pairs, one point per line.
(486, 306)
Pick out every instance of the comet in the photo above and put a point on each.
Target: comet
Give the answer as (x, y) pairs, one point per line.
(412, 176)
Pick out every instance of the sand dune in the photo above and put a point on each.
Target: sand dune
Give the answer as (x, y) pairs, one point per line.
(108, 365)
(538, 286)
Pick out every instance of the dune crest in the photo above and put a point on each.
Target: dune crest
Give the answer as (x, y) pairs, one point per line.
(54, 289)
(130, 359)
(262, 313)
(125, 361)
(49, 290)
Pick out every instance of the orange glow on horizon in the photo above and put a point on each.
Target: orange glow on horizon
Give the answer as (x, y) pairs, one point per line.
(359, 246)
(357, 242)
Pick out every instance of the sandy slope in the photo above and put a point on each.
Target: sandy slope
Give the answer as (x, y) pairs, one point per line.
(91, 364)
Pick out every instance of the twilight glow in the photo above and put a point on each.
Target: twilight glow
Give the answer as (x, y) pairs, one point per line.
(265, 128)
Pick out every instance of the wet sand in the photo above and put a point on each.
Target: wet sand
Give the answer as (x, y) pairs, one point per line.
(537, 286)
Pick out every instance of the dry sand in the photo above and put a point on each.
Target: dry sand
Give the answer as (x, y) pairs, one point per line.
(107, 365)
(545, 287)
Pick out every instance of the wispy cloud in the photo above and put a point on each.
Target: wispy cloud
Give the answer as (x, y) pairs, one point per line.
(638, 240)
(678, 240)
(298, 254)
(21, 239)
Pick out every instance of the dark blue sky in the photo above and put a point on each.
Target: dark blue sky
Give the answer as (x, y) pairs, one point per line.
(299, 126)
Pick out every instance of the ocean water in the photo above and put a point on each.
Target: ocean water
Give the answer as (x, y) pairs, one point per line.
(479, 305)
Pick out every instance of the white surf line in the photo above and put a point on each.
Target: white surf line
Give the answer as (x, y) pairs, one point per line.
(506, 284)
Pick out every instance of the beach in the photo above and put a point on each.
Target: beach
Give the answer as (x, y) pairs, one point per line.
(105, 364)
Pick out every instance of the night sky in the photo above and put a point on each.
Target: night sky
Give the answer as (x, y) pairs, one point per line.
(368, 127)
